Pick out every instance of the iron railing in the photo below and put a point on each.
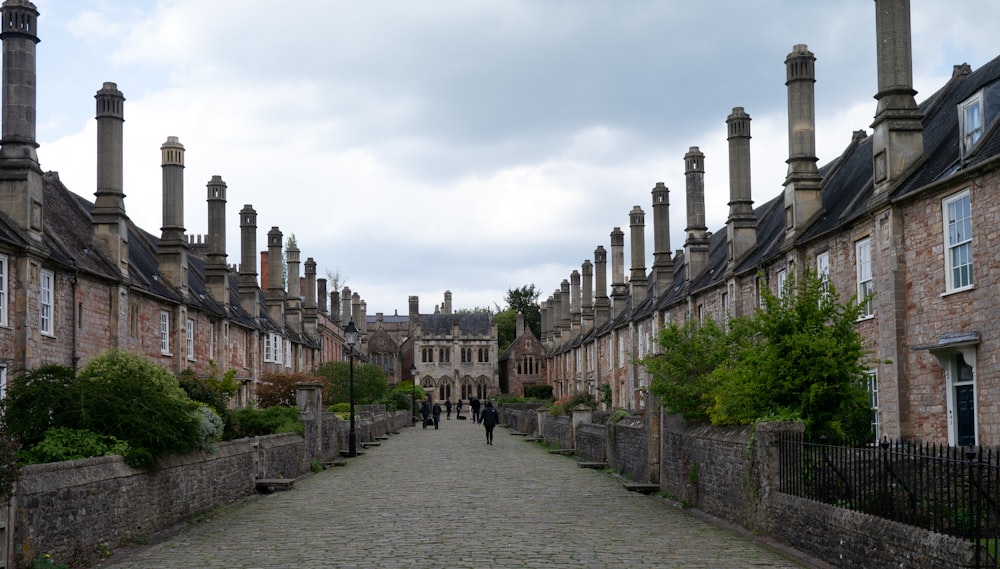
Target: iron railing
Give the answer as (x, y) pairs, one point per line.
(949, 490)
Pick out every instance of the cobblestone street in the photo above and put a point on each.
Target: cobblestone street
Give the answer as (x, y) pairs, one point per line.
(443, 498)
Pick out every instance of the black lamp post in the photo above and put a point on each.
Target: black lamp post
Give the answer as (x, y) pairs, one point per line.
(351, 335)
(413, 393)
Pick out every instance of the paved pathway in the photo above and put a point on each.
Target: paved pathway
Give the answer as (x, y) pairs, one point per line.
(443, 498)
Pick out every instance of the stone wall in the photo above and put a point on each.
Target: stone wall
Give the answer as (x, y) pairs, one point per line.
(592, 442)
(521, 418)
(70, 507)
(628, 448)
(558, 431)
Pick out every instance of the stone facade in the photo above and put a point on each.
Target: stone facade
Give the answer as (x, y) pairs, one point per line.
(908, 216)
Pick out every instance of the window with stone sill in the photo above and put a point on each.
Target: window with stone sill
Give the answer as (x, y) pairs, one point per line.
(957, 211)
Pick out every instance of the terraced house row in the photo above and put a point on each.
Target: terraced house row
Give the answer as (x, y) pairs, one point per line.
(908, 214)
(78, 277)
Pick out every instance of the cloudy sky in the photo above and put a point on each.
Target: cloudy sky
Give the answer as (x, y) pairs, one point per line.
(414, 147)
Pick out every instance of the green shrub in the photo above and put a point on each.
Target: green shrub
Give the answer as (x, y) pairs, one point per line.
(538, 392)
(61, 443)
(250, 421)
(210, 426)
(117, 394)
(398, 400)
(339, 408)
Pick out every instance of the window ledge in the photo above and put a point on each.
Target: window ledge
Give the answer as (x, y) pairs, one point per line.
(958, 290)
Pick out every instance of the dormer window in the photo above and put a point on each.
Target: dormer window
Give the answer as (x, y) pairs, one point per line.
(970, 116)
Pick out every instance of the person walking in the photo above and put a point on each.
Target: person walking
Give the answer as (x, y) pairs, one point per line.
(437, 415)
(458, 409)
(425, 411)
(474, 405)
(447, 409)
(489, 419)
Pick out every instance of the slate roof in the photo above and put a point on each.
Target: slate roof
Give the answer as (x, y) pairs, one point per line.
(469, 324)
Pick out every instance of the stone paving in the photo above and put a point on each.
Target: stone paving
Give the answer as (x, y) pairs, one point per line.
(443, 498)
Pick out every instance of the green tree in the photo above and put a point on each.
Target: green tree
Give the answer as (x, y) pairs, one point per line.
(806, 360)
(525, 301)
(370, 385)
(682, 372)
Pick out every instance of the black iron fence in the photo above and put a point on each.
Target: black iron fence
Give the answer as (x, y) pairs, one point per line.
(950, 490)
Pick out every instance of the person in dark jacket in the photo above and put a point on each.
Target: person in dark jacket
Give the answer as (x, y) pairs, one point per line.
(489, 418)
(425, 411)
(447, 409)
(437, 415)
(458, 409)
(474, 405)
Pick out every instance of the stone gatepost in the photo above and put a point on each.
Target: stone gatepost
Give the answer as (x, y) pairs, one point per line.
(767, 459)
(309, 400)
(581, 414)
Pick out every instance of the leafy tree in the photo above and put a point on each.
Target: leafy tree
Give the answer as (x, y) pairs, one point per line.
(682, 373)
(525, 301)
(806, 361)
(370, 385)
(278, 389)
(38, 400)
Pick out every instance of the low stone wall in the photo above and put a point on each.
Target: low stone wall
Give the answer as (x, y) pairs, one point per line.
(592, 442)
(521, 419)
(852, 539)
(71, 507)
(628, 448)
(558, 431)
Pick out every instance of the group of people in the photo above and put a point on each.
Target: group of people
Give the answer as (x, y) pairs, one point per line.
(485, 415)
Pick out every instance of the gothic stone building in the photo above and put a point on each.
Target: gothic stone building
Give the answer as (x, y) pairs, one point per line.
(908, 215)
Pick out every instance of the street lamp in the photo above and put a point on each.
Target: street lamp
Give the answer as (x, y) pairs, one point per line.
(351, 335)
(413, 393)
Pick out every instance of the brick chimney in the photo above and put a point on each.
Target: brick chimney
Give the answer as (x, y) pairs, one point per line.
(216, 271)
(619, 288)
(602, 305)
(109, 221)
(741, 227)
(565, 322)
(696, 243)
(21, 194)
(803, 183)
(309, 312)
(173, 248)
(898, 142)
(637, 277)
(587, 303)
(574, 301)
(275, 294)
(293, 310)
(248, 289)
(663, 264)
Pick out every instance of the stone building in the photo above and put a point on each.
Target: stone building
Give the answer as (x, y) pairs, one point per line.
(907, 215)
(521, 364)
(78, 277)
(455, 355)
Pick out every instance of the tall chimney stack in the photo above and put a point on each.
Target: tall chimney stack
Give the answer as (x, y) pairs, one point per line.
(602, 305)
(110, 223)
(173, 243)
(898, 141)
(21, 193)
(663, 264)
(216, 271)
(275, 294)
(249, 299)
(619, 288)
(637, 278)
(803, 183)
(741, 227)
(587, 303)
(696, 243)
(574, 301)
